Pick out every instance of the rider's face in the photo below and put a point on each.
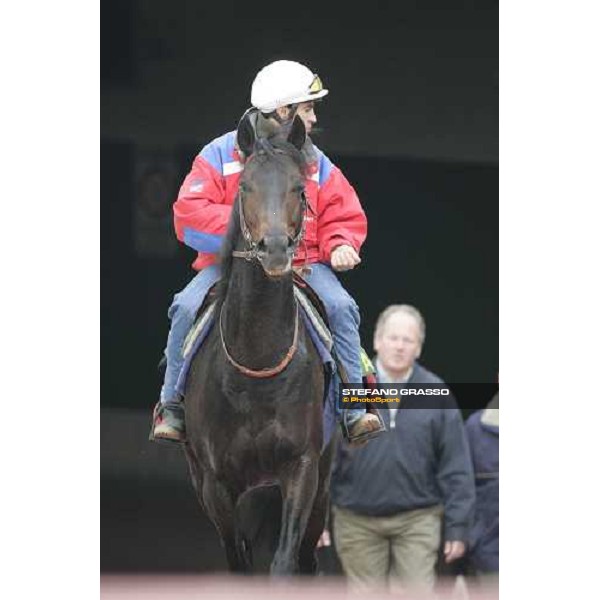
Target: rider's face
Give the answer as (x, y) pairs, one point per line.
(305, 110)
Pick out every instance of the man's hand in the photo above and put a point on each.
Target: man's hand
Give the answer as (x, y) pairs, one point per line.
(324, 540)
(453, 550)
(344, 258)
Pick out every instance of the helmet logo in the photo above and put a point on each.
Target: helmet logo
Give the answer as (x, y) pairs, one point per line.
(316, 85)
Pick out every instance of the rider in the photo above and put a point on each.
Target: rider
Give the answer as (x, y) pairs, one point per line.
(335, 229)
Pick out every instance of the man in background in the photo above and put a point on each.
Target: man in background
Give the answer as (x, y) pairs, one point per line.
(410, 490)
(484, 441)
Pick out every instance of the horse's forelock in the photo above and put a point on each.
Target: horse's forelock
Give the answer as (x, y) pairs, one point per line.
(275, 148)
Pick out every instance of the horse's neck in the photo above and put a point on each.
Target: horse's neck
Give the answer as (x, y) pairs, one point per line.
(258, 316)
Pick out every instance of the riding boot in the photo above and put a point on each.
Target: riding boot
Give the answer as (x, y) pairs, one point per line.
(168, 423)
(361, 429)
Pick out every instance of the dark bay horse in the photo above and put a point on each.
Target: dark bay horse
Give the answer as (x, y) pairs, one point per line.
(254, 395)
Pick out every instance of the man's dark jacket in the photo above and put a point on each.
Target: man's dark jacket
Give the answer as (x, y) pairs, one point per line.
(423, 460)
(483, 436)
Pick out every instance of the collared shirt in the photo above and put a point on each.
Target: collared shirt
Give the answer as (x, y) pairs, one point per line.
(384, 377)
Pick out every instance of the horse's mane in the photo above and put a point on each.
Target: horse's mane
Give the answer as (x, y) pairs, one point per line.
(273, 150)
(226, 258)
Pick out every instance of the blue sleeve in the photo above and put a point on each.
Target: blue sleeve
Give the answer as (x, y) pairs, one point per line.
(202, 242)
(325, 166)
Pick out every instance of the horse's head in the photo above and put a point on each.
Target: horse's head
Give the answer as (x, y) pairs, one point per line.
(271, 200)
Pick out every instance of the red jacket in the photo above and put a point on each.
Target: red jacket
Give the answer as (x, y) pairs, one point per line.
(207, 194)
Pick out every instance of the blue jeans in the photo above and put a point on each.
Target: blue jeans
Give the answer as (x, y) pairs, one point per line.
(342, 312)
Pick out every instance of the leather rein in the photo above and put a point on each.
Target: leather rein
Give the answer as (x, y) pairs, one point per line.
(253, 253)
(268, 371)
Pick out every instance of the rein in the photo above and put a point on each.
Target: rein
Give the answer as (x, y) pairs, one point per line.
(268, 371)
(253, 252)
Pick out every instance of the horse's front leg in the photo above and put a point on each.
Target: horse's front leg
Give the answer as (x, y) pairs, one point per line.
(316, 522)
(298, 490)
(219, 505)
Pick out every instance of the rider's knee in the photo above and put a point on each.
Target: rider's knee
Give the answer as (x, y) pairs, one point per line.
(342, 307)
(182, 312)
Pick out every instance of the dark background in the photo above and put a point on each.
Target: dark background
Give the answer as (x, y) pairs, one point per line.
(411, 119)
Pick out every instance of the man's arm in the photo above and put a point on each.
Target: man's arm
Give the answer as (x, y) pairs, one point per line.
(456, 481)
(201, 217)
(341, 219)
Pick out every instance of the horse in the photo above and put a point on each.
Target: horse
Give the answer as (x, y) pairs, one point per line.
(255, 390)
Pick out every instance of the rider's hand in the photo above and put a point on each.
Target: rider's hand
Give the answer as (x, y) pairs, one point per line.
(324, 540)
(344, 258)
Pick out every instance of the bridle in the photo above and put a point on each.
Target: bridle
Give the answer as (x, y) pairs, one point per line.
(251, 253)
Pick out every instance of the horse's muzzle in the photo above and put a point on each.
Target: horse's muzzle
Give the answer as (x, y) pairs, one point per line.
(275, 253)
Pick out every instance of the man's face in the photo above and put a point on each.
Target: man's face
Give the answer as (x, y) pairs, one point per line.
(305, 110)
(398, 344)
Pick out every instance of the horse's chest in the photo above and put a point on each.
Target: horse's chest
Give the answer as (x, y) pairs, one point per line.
(259, 395)
(253, 452)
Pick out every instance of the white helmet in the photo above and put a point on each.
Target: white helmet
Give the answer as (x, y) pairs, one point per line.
(285, 82)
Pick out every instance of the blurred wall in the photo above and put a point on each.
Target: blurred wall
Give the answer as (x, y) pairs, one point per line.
(416, 79)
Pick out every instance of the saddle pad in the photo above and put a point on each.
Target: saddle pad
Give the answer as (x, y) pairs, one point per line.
(320, 329)
(198, 329)
(315, 318)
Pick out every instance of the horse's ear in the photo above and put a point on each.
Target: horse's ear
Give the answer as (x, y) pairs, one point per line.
(245, 134)
(265, 128)
(297, 135)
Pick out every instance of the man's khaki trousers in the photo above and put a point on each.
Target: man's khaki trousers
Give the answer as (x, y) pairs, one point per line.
(375, 550)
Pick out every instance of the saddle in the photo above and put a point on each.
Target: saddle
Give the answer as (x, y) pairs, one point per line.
(315, 313)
